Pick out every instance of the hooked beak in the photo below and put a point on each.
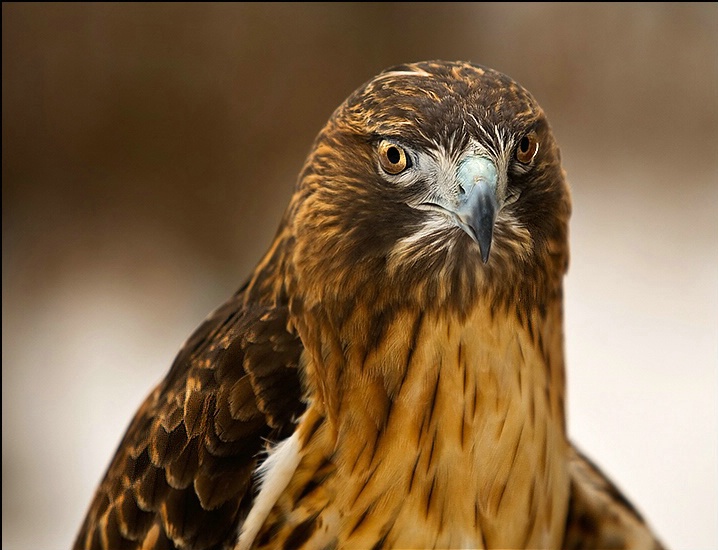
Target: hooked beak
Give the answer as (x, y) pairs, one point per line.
(475, 206)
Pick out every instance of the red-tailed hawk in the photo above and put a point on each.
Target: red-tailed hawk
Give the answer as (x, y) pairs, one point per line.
(392, 373)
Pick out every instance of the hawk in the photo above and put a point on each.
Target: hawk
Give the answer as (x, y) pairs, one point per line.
(391, 375)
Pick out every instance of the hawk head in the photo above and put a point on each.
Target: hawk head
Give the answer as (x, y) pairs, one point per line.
(440, 181)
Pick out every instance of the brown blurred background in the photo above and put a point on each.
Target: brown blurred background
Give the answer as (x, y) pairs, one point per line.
(148, 152)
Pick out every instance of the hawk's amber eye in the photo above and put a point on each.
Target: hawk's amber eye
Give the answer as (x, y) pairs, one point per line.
(393, 158)
(528, 147)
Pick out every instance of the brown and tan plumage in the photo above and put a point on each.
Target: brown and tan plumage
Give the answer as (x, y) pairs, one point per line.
(392, 374)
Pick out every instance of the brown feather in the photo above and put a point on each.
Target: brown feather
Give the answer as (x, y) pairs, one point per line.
(189, 455)
(599, 516)
(180, 473)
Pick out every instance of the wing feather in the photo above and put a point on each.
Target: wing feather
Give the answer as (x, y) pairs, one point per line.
(599, 516)
(188, 457)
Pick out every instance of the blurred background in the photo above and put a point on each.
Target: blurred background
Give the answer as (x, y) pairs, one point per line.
(149, 150)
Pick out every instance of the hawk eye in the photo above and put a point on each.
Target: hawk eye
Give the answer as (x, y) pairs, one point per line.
(528, 147)
(393, 158)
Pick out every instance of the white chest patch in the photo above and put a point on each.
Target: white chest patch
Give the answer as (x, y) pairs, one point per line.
(275, 474)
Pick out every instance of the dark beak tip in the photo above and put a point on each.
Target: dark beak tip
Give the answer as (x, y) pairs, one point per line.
(485, 255)
(485, 236)
(481, 238)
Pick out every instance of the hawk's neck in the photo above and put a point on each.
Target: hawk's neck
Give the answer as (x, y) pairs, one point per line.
(436, 430)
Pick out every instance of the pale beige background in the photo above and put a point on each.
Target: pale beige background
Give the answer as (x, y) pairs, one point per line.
(149, 151)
